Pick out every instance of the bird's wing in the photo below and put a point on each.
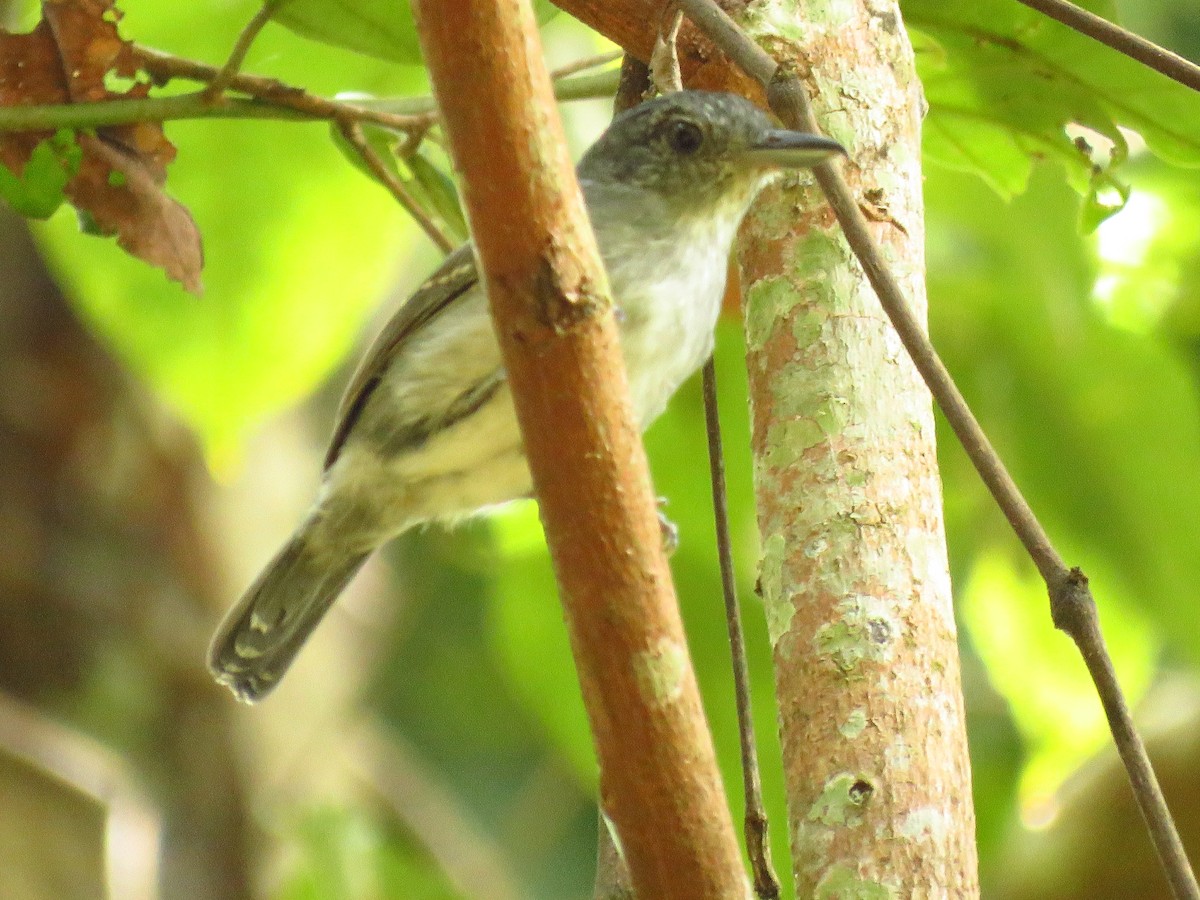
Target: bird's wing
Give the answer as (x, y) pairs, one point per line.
(453, 278)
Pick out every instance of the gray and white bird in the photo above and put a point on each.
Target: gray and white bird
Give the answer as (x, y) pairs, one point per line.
(427, 432)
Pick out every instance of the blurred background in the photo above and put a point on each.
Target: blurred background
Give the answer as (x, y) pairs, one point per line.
(155, 448)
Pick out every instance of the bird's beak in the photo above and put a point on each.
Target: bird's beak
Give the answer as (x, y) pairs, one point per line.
(793, 149)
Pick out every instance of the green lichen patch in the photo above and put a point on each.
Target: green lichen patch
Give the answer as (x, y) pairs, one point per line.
(855, 724)
(864, 629)
(777, 605)
(843, 883)
(843, 799)
(660, 672)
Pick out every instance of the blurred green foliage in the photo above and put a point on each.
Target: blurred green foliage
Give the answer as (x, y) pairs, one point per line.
(347, 854)
(386, 31)
(1080, 354)
(1002, 81)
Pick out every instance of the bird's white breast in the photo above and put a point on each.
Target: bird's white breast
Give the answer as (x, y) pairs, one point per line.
(669, 295)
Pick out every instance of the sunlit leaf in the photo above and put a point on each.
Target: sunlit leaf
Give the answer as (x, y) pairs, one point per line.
(1053, 701)
(384, 30)
(1003, 82)
(38, 191)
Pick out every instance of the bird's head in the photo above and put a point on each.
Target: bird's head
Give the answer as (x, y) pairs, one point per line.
(699, 152)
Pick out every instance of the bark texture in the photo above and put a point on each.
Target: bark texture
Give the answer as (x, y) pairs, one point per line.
(547, 291)
(854, 573)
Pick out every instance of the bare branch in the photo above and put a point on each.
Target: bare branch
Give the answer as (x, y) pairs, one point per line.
(560, 347)
(1120, 39)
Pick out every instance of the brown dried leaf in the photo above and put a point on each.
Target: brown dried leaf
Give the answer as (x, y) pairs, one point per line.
(119, 183)
(147, 222)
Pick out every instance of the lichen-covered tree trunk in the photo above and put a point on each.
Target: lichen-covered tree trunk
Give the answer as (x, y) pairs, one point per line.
(854, 572)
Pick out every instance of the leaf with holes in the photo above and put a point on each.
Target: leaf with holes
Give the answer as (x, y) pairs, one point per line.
(113, 176)
(1004, 83)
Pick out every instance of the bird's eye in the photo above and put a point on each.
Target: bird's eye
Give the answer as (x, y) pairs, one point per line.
(685, 137)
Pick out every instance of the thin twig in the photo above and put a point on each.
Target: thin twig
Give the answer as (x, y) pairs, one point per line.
(1120, 39)
(353, 133)
(1072, 605)
(271, 99)
(588, 62)
(163, 67)
(240, 48)
(103, 113)
(766, 882)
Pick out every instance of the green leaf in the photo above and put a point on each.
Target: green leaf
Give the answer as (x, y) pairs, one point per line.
(1098, 422)
(431, 188)
(1052, 698)
(383, 30)
(38, 191)
(437, 188)
(1003, 82)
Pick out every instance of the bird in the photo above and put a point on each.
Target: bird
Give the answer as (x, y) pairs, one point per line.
(426, 431)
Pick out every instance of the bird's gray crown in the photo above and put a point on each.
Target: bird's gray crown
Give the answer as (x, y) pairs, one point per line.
(696, 151)
(676, 143)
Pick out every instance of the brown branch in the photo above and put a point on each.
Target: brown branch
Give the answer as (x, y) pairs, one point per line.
(164, 67)
(561, 351)
(1120, 39)
(1072, 605)
(634, 85)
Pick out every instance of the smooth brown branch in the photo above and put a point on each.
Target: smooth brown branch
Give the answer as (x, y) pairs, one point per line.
(766, 882)
(353, 132)
(240, 48)
(1120, 39)
(789, 101)
(561, 351)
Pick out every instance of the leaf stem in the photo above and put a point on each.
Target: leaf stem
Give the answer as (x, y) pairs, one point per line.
(269, 99)
(238, 55)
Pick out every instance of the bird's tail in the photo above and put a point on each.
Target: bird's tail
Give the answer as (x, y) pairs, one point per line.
(261, 635)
